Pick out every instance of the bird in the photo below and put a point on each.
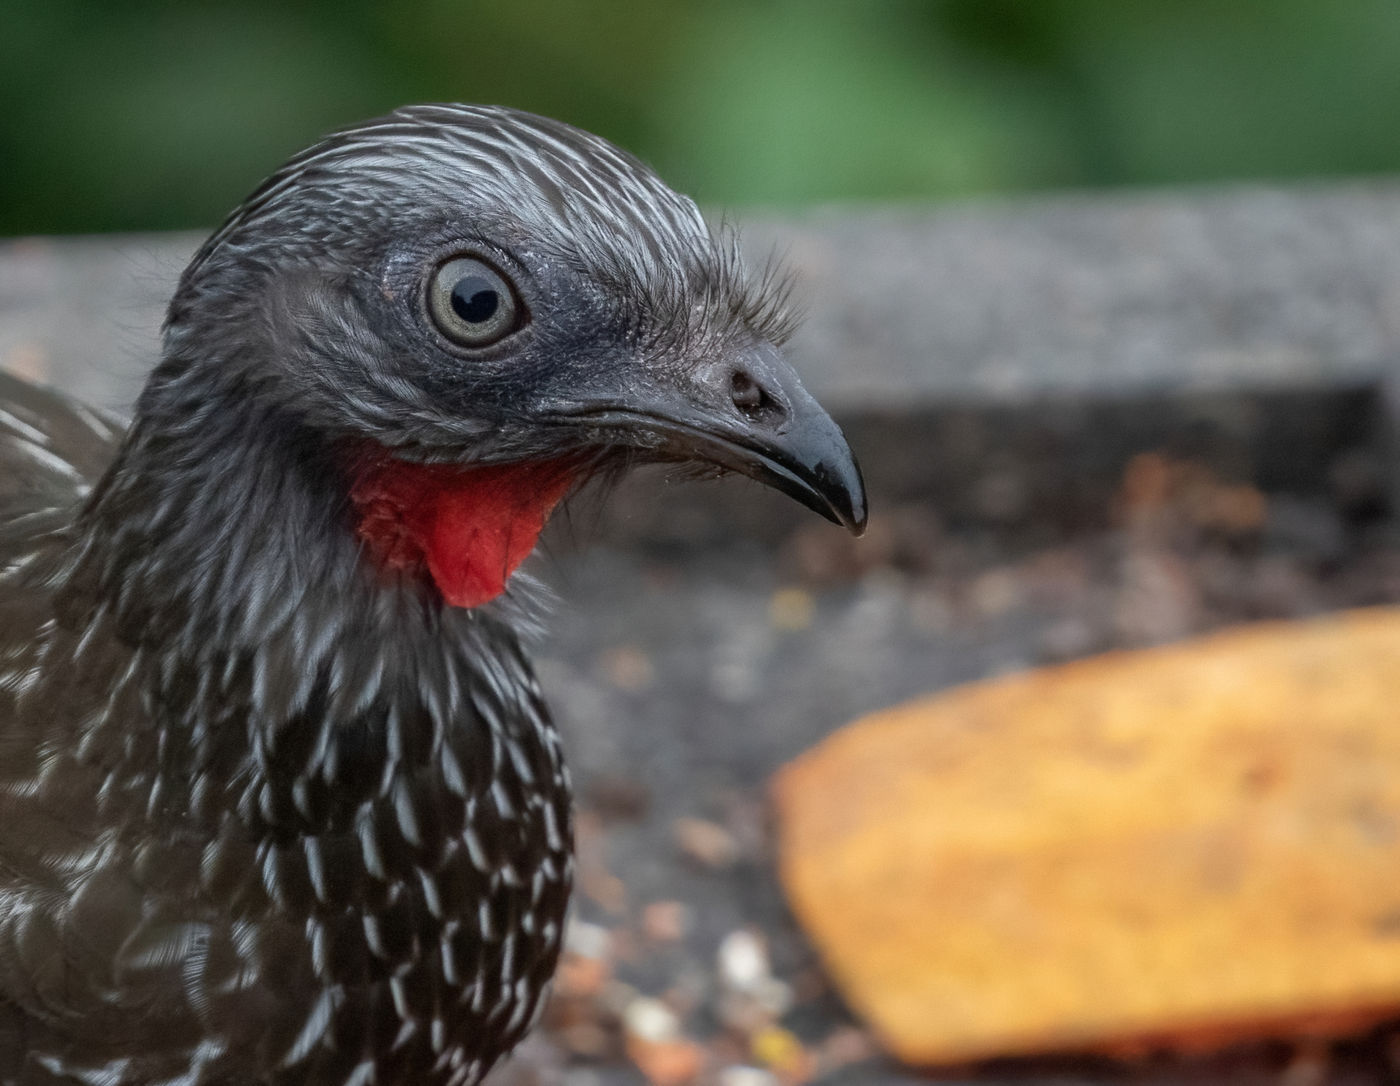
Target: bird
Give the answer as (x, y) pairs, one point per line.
(281, 801)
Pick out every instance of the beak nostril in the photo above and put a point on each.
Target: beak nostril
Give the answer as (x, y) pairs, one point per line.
(746, 393)
(749, 397)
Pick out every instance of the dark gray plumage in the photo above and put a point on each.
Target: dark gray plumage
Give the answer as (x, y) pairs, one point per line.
(272, 809)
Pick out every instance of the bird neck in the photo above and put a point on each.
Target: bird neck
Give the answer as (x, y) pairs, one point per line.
(218, 562)
(221, 507)
(228, 532)
(215, 517)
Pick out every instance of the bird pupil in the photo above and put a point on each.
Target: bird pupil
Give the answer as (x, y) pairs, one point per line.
(474, 299)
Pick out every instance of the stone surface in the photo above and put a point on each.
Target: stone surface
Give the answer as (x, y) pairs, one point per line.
(1068, 296)
(1096, 295)
(1181, 846)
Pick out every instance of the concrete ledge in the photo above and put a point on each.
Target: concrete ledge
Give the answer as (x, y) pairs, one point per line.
(1100, 295)
(1072, 297)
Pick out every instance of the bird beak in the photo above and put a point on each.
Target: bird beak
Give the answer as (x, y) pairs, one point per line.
(746, 412)
(752, 415)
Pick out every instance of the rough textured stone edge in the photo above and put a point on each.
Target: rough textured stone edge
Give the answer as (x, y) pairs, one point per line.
(1082, 296)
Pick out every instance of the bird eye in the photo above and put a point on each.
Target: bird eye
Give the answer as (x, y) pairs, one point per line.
(472, 303)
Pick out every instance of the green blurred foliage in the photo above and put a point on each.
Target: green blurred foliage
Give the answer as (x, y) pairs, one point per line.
(140, 114)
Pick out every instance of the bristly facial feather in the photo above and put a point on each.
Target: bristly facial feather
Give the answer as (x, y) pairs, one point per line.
(610, 263)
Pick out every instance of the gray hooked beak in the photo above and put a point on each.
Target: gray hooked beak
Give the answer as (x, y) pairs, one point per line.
(748, 413)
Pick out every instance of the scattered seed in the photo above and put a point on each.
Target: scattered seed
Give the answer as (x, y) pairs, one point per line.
(706, 843)
(743, 961)
(665, 921)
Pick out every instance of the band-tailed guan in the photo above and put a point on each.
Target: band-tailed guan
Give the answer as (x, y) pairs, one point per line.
(279, 798)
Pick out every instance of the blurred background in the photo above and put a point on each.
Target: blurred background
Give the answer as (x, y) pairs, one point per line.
(1159, 406)
(152, 114)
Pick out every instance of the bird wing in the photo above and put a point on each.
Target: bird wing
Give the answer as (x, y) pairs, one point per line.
(52, 448)
(52, 451)
(106, 976)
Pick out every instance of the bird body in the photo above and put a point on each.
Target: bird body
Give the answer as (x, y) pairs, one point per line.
(280, 800)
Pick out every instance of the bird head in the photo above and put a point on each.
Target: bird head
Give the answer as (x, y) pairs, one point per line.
(483, 308)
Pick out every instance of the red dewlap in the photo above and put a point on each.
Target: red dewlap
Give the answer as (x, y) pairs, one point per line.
(470, 527)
